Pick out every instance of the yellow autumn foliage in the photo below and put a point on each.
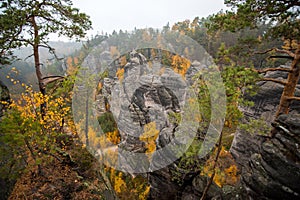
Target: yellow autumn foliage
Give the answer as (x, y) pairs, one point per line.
(120, 74)
(123, 61)
(114, 137)
(180, 64)
(114, 52)
(289, 44)
(226, 170)
(128, 187)
(55, 113)
(149, 136)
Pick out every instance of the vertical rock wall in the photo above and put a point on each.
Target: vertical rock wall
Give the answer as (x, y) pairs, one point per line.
(270, 167)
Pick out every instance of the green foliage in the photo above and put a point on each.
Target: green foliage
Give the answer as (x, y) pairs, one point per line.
(284, 23)
(107, 122)
(195, 29)
(174, 117)
(283, 15)
(190, 159)
(189, 163)
(240, 44)
(238, 81)
(29, 22)
(31, 138)
(12, 146)
(256, 126)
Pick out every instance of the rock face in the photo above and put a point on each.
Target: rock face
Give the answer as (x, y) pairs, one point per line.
(144, 94)
(268, 97)
(5, 185)
(270, 167)
(4, 96)
(164, 188)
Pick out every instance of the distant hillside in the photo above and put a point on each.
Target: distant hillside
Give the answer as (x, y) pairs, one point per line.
(62, 49)
(24, 69)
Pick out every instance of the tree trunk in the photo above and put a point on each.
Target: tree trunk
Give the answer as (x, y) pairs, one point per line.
(210, 181)
(290, 86)
(87, 119)
(37, 63)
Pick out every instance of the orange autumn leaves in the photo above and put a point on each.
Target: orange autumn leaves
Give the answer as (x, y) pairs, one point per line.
(226, 171)
(149, 137)
(180, 64)
(72, 64)
(128, 187)
(120, 74)
(56, 112)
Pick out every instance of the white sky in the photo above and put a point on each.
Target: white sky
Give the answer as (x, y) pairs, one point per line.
(112, 15)
(109, 15)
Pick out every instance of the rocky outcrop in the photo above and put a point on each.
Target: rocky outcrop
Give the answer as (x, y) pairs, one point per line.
(163, 187)
(268, 97)
(4, 96)
(5, 184)
(270, 167)
(144, 94)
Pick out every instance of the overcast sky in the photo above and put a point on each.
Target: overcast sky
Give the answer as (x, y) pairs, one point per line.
(112, 15)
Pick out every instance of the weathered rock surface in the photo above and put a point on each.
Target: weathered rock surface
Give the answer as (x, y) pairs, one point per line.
(4, 96)
(5, 185)
(147, 94)
(143, 94)
(268, 97)
(270, 167)
(163, 187)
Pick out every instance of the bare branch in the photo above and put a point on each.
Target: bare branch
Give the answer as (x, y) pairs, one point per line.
(285, 52)
(287, 57)
(274, 80)
(293, 98)
(47, 47)
(291, 54)
(263, 52)
(209, 182)
(50, 79)
(29, 56)
(282, 69)
(51, 50)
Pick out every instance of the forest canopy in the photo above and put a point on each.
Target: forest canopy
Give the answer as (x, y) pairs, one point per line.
(39, 140)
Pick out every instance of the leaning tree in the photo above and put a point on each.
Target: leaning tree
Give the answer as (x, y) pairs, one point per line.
(284, 15)
(30, 22)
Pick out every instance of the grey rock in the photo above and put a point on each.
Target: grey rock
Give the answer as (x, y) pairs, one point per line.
(270, 167)
(199, 183)
(268, 97)
(162, 186)
(6, 185)
(4, 96)
(149, 94)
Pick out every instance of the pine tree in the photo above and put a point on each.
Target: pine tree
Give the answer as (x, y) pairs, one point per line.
(30, 22)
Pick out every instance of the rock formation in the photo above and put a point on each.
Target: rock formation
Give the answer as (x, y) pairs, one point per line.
(270, 167)
(267, 98)
(5, 185)
(145, 94)
(4, 96)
